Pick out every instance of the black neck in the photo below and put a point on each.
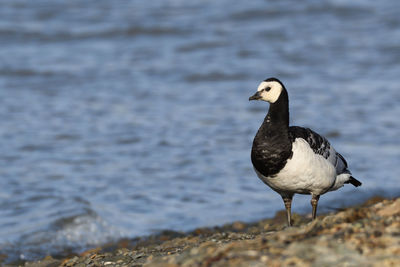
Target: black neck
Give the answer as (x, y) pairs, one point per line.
(277, 118)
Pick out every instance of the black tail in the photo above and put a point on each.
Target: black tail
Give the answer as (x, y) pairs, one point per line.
(353, 181)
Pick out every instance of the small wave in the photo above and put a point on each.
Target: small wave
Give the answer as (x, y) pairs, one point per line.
(339, 10)
(215, 77)
(200, 46)
(128, 140)
(27, 35)
(318, 8)
(85, 230)
(25, 72)
(68, 235)
(36, 147)
(246, 53)
(66, 137)
(257, 14)
(154, 31)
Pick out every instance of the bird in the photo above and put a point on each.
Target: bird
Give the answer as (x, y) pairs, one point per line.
(292, 159)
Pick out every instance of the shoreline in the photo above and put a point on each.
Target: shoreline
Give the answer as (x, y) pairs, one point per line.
(367, 234)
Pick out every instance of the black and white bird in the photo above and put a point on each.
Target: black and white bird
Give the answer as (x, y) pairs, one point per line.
(294, 159)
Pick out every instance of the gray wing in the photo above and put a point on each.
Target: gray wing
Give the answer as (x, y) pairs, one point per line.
(340, 164)
(321, 146)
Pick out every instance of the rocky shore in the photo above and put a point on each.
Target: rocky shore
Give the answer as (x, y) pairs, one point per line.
(366, 235)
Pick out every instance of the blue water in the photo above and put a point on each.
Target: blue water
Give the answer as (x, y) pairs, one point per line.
(121, 118)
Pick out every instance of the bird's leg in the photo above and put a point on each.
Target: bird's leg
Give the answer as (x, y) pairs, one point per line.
(314, 204)
(288, 204)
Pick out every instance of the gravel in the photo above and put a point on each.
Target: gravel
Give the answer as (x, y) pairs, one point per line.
(367, 235)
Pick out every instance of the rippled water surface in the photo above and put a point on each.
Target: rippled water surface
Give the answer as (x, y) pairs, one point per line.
(121, 118)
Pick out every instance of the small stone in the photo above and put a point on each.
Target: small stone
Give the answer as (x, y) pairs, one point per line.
(391, 209)
(48, 258)
(139, 255)
(238, 226)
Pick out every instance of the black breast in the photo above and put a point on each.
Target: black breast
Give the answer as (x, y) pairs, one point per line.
(270, 153)
(272, 146)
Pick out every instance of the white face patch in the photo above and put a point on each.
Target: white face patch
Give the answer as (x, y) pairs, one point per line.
(272, 94)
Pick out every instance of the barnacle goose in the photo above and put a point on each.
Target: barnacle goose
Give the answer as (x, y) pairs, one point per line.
(294, 159)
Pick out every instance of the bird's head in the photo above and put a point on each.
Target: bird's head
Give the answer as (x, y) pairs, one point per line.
(269, 90)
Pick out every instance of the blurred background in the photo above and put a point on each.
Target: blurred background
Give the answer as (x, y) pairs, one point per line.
(122, 118)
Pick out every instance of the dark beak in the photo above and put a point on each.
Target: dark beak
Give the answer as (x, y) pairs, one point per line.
(256, 96)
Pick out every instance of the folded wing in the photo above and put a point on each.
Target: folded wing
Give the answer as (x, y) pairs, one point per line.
(321, 146)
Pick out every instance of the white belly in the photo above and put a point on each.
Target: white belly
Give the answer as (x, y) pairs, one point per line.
(305, 173)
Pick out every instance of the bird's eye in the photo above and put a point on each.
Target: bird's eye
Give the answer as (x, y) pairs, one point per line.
(267, 88)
